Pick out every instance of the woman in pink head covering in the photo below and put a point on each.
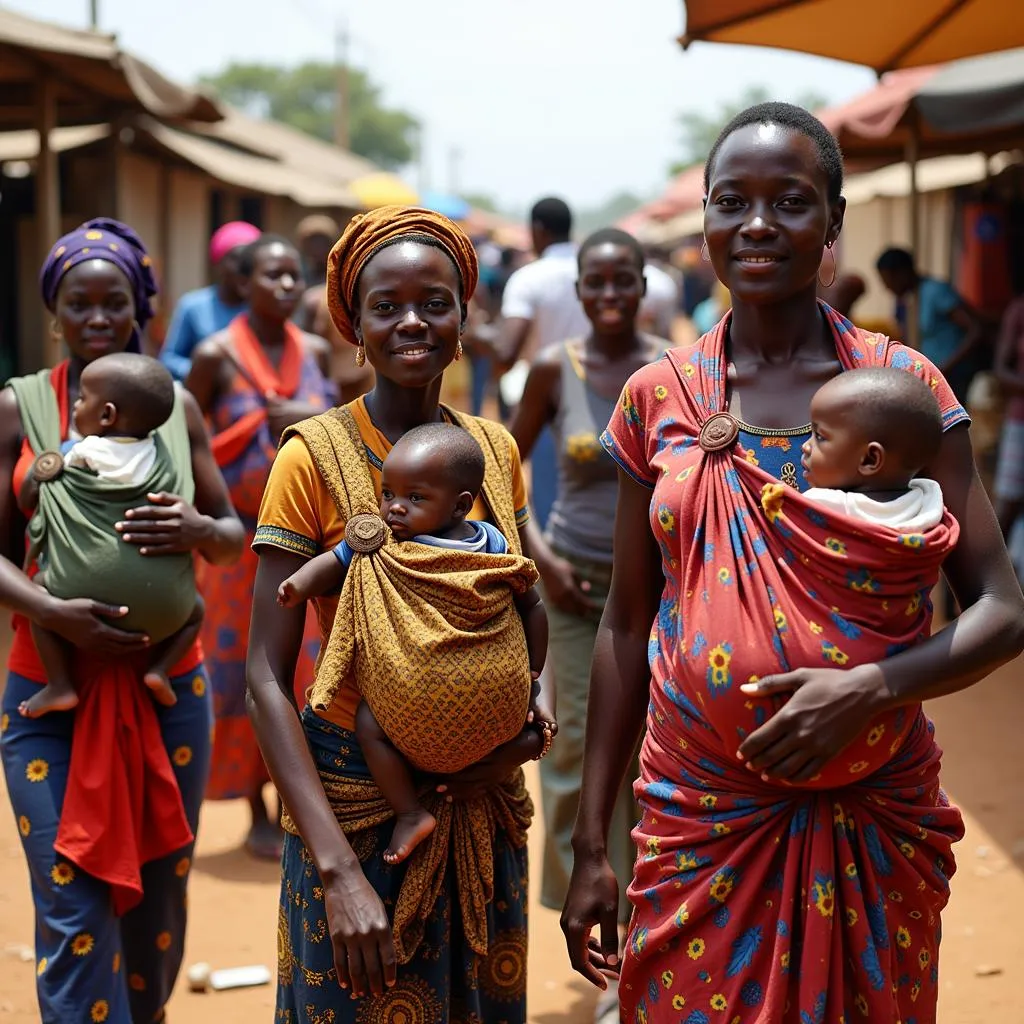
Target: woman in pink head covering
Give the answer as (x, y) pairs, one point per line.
(208, 310)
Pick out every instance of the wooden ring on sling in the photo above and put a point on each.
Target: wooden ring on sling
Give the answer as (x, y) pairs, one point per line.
(719, 432)
(48, 466)
(365, 532)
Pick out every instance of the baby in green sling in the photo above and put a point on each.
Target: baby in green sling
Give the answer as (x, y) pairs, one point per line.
(78, 495)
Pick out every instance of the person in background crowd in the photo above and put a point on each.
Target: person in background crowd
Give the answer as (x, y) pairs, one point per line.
(251, 380)
(844, 293)
(483, 328)
(573, 388)
(1009, 368)
(351, 378)
(314, 236)
(949, 331)
(540, 308)
(661, 302)
(208, 310)
(97, 957)
(695, 287)
(712, 309)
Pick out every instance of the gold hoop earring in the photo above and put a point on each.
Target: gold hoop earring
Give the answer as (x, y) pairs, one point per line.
(704, 254)
(458, 350)
(360, 355)
(832, 280)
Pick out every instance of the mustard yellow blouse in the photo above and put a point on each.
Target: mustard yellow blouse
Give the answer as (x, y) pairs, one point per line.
(298, 515)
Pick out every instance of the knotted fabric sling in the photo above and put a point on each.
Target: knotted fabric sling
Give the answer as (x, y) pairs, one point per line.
(251, 362)
(756, 899)
(439, 654)
(122, 807)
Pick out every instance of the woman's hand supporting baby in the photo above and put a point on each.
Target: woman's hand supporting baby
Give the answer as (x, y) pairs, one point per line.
(169, 526)
(496, 768)
(83, 622)
(828, 709)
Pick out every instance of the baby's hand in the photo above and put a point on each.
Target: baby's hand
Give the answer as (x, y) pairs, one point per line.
(541, 713)
(288, 595)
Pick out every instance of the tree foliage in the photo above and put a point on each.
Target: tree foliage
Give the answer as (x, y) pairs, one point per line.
(606, 214)
(700, 130)
(482, 201)
(305, 97)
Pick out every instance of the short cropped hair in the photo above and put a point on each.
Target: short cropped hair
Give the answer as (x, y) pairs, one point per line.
(787, 115)
(140, 387)
(895, 260)
(463, 457)
(612, 236)
(554, 215)
(250, 253)
(897, 409)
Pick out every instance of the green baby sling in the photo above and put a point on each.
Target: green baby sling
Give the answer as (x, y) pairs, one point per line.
(72, 530)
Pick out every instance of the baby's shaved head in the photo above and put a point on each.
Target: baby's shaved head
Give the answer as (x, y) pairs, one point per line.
(141, 388)
(462, 457)
(892, 407)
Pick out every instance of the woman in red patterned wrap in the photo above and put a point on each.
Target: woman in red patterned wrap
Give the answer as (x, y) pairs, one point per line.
(795, 847)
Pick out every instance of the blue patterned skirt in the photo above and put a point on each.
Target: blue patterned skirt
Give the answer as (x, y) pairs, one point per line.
(90, 964)
(445, 982)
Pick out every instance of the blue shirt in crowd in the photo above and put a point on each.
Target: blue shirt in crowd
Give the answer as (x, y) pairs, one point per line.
(939, 337)
(198, 315)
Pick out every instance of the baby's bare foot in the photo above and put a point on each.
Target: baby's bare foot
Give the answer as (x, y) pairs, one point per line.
(49, 698)
(411, 829)
(160, 686)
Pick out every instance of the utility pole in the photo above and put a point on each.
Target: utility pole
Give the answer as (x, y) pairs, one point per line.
(341, 58)
(420, 158)
(94, 14)
(454, 159)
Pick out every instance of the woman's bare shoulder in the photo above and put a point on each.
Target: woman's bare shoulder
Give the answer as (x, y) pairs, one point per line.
(10, 419)
(215, 347)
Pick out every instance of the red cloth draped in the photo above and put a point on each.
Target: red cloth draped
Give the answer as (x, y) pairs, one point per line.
(754, 901)
(251, 361)
(122, 806)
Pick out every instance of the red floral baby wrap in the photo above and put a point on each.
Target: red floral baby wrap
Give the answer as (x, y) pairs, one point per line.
(759, 902)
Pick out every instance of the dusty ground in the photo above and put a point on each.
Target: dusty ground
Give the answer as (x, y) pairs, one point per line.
(234, 899)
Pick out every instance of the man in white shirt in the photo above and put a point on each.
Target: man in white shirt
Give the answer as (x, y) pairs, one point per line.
(540, 308)
(660, 304)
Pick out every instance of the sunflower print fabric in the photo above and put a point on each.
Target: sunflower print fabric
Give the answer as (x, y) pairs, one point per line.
(92, 966)
(756, 901)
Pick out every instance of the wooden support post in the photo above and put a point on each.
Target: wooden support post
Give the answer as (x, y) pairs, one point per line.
(47, 191)
(912, 152)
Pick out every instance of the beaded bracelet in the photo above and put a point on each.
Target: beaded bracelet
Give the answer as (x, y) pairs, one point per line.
(548, 739)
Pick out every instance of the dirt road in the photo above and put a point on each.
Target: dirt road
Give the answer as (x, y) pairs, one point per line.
(233, 899)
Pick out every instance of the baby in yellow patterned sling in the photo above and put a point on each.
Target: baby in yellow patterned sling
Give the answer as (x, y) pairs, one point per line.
(430, 481)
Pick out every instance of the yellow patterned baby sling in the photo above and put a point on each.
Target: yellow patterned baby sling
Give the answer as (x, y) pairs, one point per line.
(437, 649)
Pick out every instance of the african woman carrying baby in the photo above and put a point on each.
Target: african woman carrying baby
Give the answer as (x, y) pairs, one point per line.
(795, 847)
(398, 284)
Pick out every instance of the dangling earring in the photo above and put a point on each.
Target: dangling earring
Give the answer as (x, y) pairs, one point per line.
(832, 280)
(458, 350)
(360, 355)
(704, 254)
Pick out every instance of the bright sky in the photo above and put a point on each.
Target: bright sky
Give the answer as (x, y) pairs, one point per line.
(576, 98)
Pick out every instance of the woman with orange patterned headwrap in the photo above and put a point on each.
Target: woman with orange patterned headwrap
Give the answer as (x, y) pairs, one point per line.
(360, 940)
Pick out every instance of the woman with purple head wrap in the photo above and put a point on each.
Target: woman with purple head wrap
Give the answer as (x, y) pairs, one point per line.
(112, 242)
(91, 964)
